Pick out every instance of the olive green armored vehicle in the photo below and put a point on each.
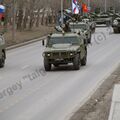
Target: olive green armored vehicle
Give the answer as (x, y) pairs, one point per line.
(62, 49)
(2, 51)
(103, 19)
(81, 27)
(90, 22)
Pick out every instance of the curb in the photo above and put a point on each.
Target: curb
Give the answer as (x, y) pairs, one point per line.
(26, 43)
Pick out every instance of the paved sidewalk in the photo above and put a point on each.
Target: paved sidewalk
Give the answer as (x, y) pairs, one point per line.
(115, 107)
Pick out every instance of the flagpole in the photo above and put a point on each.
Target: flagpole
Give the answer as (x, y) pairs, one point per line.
(62, 12)
(13, 26)
(89, 4)
(105, 6)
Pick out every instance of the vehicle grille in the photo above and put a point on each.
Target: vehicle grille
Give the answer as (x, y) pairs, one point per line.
(60, 55)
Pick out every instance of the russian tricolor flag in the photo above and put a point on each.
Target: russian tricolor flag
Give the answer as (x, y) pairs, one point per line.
(2, 11)
(75, 7)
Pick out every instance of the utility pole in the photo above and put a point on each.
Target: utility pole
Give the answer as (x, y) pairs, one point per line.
(13, 26)
(62, 16)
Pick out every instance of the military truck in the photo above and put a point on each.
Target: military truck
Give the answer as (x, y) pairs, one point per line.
(103, 19)
(2, 51)
(116, 25)
(81, 27)
(65, 48)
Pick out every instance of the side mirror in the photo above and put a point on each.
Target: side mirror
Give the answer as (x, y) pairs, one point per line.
(43, 42)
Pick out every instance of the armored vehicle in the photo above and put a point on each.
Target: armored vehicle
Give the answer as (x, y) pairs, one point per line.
(2, 51)
(82, 27)
(103, 19)
(91, 23)
(116, 25)
(62, 49)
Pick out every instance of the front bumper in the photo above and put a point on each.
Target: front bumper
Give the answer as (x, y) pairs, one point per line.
(116, 26)
(60, 57)
(61, 61)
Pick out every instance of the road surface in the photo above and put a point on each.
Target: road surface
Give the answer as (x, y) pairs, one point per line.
(27, 92)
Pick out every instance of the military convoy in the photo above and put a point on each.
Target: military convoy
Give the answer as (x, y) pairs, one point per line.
(2, 51)
(65, 48)
(69, 43)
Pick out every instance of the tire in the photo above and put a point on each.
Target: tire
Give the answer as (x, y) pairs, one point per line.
(84, 60)
(47, 65)
(93, 30)
(116, 31)
(2, 60)
(56, 65)
(76, 62)
(89, 40)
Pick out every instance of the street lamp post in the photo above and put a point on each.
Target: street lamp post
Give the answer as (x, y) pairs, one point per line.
(105, 6)
(89, 4)
(62, 12)
(13, 28)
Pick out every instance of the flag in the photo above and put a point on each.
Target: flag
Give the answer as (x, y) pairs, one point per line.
(85, 8)
(2, 9)
(2, 12)
(75, 7)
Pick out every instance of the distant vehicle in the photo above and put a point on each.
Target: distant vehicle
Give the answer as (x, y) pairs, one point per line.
(2, 51)
(64, 48)
(116, 25)
(103, 19)
(81, 27)
(91, 23)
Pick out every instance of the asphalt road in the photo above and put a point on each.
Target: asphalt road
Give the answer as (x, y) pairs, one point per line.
(27, 92)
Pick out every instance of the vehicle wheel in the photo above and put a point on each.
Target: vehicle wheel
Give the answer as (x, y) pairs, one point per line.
(56, 65)
(47, 65)
(76, 62)
(89, 40)
(116, 31)
(93, 30)
(2, 60)
(84, 60)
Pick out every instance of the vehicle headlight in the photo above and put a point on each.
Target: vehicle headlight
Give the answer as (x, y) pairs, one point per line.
(71, 53)
(2, 41)
(115, 22)
(48, 54)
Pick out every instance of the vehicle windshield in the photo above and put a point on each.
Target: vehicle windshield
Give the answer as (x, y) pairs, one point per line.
(63, 40)
(78, 26)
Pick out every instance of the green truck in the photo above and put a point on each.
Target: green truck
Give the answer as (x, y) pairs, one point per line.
(65, 48)
(2, 51)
